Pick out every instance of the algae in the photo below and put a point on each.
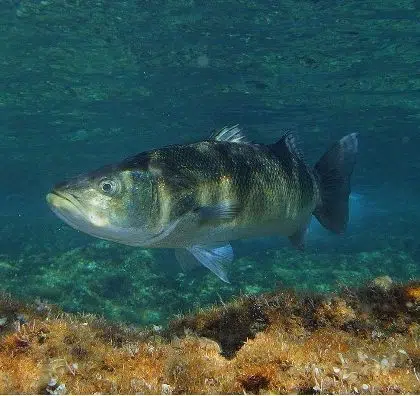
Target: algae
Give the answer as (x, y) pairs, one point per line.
(360, 341)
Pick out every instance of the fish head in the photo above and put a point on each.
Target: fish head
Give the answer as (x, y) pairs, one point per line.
(110, 203)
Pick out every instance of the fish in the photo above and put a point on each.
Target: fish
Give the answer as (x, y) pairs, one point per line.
(195, 198)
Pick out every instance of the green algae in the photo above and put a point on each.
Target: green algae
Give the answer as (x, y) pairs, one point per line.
(148, 287)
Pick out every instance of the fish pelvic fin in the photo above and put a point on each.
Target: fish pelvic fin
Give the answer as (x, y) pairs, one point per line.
(334, 171)
(298, 238)
(215, 258)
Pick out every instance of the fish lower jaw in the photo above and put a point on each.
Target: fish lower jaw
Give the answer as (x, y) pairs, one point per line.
(66, 210)
(55, 200)
(61, 204)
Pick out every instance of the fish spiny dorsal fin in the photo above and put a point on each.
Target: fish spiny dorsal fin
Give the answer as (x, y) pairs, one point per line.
(287, 145)
(231, 134)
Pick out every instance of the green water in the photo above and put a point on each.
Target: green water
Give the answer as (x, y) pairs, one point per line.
(85, 83)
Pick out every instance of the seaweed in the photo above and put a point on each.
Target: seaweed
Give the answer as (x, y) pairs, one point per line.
(358, 340)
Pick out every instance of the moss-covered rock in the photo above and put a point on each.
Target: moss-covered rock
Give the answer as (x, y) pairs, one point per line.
(361, 340)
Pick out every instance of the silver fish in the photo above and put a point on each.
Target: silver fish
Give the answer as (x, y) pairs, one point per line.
(197, 197)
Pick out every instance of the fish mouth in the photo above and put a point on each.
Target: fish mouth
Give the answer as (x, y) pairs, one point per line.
(67, 208)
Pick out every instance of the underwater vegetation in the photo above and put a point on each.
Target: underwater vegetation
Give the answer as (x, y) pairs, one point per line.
(86, 83)
(359, 341)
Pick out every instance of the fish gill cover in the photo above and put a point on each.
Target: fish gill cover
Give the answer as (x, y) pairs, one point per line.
(84, 84)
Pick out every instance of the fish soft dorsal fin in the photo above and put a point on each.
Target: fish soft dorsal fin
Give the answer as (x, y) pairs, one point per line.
(287, 145)
(231, 134)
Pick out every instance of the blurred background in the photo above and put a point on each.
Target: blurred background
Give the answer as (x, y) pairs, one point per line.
(85, 83)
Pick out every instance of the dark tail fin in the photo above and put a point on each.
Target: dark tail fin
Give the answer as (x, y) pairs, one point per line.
(334, 170)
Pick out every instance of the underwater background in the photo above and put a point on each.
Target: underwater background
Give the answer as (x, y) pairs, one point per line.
(86, 83)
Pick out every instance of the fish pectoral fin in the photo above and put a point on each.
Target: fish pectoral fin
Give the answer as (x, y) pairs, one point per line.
(215, 258)
(298, 238)
(225, 210)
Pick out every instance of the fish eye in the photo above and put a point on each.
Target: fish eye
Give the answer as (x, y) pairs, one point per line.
(108, 186)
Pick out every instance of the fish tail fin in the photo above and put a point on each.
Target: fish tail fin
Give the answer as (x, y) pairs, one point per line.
(333, 171)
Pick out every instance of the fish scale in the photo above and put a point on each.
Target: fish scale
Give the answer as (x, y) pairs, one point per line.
(197, 197)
